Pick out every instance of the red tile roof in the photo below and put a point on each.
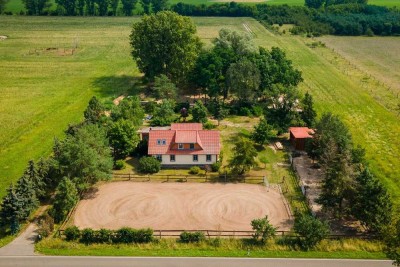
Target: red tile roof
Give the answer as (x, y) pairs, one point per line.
(208, 140)
(187, 126)
(301, 132)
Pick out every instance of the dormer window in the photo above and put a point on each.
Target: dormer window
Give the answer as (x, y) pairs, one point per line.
(164, 142)
(191, 146)
(180, 146)
(161, 142)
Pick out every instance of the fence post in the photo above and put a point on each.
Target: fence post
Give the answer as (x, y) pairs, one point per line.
(129, 176)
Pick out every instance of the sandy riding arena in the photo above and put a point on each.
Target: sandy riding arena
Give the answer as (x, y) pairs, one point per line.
(180, 206)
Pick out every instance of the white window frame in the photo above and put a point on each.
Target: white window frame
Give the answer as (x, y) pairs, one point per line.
(180, 146)
(195, 160)
(190, 146)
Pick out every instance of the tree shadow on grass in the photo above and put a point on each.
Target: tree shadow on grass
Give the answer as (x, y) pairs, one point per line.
(114, 86)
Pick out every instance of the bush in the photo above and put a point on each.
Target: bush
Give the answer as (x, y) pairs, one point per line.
(88, 236)
(194, 170)
(119, 165)
(215, 166)
(257, 111)
(209, 125)
(46, 225)
(149, 165)
(128, 235)
(103, 236)
(72, 233)
(311, 231)
(263, 230)
(188, 237)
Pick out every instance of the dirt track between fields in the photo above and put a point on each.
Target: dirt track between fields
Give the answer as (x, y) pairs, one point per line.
(180, 206)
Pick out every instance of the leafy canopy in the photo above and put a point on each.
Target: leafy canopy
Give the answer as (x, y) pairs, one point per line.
(165, 43)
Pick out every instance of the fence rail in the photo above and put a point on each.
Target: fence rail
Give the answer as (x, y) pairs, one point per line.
(239, 234)
(186, 178)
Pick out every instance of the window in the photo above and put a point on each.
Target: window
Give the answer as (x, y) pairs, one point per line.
(159, 157)
(180, 146)
(192, 146)
(172, 158)
(164, 142)
(195, 158)
(208, 157)
(158, 141)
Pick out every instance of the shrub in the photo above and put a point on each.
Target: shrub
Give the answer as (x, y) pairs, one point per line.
(88, 236)
(128, 235)
(263, 230)
(188, 237)
(149, 165)
(215, 166)
(311, 231)
(72, 233)
(103, 236)
(209, 125)
(194, 170)
(119, 165)
(257, 110)
(244, 111)
(46, 225)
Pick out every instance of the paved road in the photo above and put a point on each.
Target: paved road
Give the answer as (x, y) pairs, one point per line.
(23, 245)
(46, 261)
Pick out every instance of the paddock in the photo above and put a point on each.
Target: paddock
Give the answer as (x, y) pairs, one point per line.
(180, 206)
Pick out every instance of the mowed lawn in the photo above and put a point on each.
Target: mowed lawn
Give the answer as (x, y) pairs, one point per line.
(43, 90)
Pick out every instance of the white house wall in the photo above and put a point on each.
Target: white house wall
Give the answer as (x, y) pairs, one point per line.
(187, 160)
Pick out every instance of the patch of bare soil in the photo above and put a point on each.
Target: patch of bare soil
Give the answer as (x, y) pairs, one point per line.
(177, 206)
(118, 99)
(3, 37)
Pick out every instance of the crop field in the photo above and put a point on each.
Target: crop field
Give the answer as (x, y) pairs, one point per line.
(44, 88)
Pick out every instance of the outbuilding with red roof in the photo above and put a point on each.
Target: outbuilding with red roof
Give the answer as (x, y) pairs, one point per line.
(299, 135)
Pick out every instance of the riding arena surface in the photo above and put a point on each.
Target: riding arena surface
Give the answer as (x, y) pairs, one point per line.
(180, 206)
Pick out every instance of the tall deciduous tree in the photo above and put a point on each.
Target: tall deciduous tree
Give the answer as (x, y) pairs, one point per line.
(114, 6)
(3, 4)
(146, 4)
(165, 43)
(243, 79)
(239, 43)
(164, 114)
(36, 7)
(308, 114)
(11, 210)
(263, 132)
(94, 111)
(128, 6)
(199, 112)
(123, 138)
(372, 205)
(102, 6)
(69, 6)
(244, 155)
(90, 7)
(65, 199)
(80, 7)
(129, 109)
(164, 88)
(159, 5)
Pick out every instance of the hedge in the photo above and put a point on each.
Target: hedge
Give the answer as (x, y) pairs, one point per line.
(124, 235)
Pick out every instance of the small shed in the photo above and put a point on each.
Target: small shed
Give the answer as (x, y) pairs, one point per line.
(298, 136)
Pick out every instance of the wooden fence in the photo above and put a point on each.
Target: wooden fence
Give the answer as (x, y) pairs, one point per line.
(187, 178)
(238, 234)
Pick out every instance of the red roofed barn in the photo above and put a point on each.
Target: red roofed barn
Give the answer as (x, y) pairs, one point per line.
(184, 144)
(298, 136)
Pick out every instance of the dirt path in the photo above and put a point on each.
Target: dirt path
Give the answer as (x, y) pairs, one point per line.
(181, 206)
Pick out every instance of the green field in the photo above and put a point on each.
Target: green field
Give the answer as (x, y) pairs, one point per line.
(16, 6)
(45, 90)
